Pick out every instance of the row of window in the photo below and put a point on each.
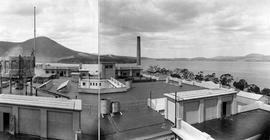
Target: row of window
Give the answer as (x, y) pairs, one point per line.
(63, 72)
(92, 84)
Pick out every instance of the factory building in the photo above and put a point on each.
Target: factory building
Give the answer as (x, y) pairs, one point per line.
(40, 116)
(200, 105)
(128, 70)
(60, 71)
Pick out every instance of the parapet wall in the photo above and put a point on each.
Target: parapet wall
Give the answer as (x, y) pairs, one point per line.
(187, 132)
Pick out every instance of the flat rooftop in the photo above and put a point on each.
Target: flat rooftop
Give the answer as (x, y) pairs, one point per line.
(141, 91)
(134, 124)
(249, 95)
(204, 93)
(240, 126)
(58, 103)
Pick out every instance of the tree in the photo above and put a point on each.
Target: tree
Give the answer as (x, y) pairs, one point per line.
(241, 84)
(177, 73)
(211, 77)
(185, 73)
(226, 79)
(253, 88)
(199, 76)
(266, 91)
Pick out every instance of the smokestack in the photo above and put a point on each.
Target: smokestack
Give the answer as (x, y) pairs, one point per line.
(138, 50)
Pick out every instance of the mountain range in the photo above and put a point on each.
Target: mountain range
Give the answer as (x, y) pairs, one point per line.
(48, 50)
(253, 57)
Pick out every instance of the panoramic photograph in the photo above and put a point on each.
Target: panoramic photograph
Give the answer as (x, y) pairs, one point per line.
(134, 70)
(193, 69)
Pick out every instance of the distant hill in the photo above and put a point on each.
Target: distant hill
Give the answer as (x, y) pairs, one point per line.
(247, 58)
(49, 50)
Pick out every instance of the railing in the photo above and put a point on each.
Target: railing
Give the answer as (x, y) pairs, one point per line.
(102, 90)
(116, 83)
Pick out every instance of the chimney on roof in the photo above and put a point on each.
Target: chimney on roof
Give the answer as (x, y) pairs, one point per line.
(138, 50)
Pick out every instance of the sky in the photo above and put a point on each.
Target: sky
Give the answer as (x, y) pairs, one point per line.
(185, 28)
(72, 23)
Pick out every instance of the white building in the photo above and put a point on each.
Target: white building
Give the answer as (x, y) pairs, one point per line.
(200, 105)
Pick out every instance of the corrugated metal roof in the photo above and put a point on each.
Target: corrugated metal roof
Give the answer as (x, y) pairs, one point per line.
(195, 94)
(58, 103)
(249, 95)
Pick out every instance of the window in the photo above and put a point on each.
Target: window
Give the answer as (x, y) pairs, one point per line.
(47, 71)
(99, 84)
(83, 83)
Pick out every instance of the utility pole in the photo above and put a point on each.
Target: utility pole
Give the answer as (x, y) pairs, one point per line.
(34, 31)
(175, 102)
(34, 59)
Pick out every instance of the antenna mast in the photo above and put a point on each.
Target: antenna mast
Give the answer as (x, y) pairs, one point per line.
(34, 31)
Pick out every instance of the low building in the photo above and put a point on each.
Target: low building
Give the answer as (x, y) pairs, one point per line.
(40, 116)
(128, 71)
(200, 105)
(42, 78)
(60, 70)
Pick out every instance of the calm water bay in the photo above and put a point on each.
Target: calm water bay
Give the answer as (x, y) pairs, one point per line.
(253, 72)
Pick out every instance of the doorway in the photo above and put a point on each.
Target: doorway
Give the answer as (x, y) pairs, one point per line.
(226, 109)
(6, 120)
(224, 106)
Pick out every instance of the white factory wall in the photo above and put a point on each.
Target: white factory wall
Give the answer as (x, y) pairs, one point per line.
(192, 112)
(199, 110)
(210, 109)
(43, 122)
(60, 125)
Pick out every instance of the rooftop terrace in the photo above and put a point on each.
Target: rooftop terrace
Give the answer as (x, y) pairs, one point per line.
(134, 124)
(238, 127)
(141, 91)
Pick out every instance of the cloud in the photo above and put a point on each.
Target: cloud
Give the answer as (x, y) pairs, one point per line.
(62, 20)
(175, 26)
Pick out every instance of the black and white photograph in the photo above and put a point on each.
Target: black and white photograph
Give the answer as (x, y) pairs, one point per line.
(134, 70)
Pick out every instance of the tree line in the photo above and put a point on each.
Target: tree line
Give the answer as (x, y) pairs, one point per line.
(224, 79)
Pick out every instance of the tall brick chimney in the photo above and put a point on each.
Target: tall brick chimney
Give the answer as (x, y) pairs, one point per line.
(138, 50)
